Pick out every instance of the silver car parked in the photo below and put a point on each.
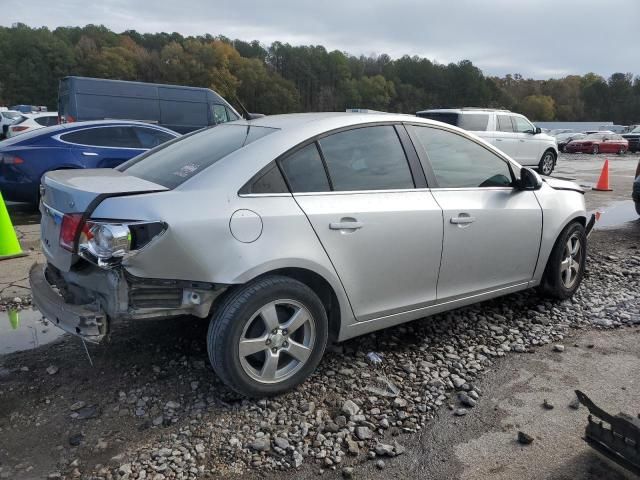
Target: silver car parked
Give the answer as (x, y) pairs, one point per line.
(288, 231)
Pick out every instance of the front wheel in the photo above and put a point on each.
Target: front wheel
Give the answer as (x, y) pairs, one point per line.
(621, 151)
(267, 336)
(565, 267)
(595, 150)
(547, 163)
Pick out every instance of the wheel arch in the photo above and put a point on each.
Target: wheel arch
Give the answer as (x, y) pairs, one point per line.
(333, 301)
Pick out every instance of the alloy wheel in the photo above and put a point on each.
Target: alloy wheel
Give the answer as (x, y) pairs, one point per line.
(277, 341)
(571, 261)
(547, 164)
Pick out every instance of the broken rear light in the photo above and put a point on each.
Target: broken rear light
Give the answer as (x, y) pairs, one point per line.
(69, 229)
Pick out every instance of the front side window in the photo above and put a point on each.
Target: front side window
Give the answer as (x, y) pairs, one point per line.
(459, 162)
(177, 161)
(504, 123)
(304, 170)
(115, 137)
(368, 158)
(523, 126)
(219, 114)
(150, 137)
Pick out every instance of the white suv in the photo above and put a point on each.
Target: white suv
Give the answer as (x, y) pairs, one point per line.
(511, 132)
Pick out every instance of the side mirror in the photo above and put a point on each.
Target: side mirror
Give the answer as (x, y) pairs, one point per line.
(529, 180)
(537, 131)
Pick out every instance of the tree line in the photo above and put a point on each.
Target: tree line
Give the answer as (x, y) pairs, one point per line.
(282, 78)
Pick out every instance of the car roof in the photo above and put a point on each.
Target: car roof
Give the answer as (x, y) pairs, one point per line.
(70, 127)
(466, 110)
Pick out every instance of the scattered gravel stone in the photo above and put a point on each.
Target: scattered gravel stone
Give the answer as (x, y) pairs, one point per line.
(525, 439)
(460, 412)
(77, 406)
(261, 444)
(547, 405)
(466, 400)
(52, 369)
(575, 404)
(364, 433)
(558, 348)
(380, 464)
(350, 408)
(347, 472)
(76, 439)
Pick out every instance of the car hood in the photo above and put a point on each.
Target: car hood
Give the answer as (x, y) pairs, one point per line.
(558, 184)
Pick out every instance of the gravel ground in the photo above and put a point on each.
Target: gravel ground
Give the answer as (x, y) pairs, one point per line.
(150, 407)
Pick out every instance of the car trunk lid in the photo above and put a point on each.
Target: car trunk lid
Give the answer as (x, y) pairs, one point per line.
(79, 192)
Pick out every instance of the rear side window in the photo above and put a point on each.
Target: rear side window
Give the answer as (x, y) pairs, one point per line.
(368, 158)
(304, 170)
(269, 180)
(114, 137)
(444, 117)
(179, 160)
(46, 121)
(459, 162)
(504, 123)
(476, 122)
(150, 137)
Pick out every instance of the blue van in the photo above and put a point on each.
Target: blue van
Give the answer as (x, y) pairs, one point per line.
(181, 109)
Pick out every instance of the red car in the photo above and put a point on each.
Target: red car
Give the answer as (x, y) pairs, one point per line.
(598, 143)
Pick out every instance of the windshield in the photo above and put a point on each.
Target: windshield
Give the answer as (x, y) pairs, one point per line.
(596, 136)
(177, 161)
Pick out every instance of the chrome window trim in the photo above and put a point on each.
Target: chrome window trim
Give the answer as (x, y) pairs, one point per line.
(151, 127)
(257, 195)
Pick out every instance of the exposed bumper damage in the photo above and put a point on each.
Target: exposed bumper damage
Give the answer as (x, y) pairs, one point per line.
(618, 438)
(85, 301)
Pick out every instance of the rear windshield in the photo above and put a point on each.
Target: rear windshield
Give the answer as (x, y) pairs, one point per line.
(177, 161)
(469, 121)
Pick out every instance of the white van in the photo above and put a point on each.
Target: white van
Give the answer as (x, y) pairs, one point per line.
(511, 132)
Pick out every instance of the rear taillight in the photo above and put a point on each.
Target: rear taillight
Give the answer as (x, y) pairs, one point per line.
(66, 119)
(10, 159)
(71, 223)
(18, 128)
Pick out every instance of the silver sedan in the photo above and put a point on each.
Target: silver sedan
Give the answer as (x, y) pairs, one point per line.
(291, 231)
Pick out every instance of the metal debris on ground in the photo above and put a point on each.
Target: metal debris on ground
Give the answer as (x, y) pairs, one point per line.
(374, 358)
(383, 387)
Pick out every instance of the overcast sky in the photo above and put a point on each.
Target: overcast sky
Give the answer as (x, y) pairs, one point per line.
(538, 38)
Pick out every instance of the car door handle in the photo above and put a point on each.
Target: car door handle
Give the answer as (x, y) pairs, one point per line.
(90, 154)
(498, 139)
(349, 225)
(461, 220)
(522, 140)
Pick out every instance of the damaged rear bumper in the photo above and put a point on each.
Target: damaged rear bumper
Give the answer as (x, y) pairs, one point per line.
(87, 300)
(87, 321)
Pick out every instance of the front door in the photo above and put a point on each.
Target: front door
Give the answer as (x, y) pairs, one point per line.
(491, 231)
(383, 236)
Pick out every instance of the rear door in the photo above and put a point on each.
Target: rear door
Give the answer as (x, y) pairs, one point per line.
(104, 146)
(491, 230)
(382, 234)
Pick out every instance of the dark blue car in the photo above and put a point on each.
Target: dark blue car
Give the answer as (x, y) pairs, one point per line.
(100, 144)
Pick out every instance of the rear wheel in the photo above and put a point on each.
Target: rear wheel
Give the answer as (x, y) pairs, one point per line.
(565, 267)
(268, 336)
(547, 163)
(621, 151)
(595, 150)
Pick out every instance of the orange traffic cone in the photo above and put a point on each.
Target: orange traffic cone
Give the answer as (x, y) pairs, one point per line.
(603, 181)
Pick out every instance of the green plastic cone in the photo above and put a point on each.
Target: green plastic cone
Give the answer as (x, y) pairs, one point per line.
(9, 245)
(14, 318)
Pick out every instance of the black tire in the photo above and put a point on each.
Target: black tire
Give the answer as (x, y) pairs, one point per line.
(621, 151)
(637, 207)
(234, 314)
(547, 163)
(553, 284)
